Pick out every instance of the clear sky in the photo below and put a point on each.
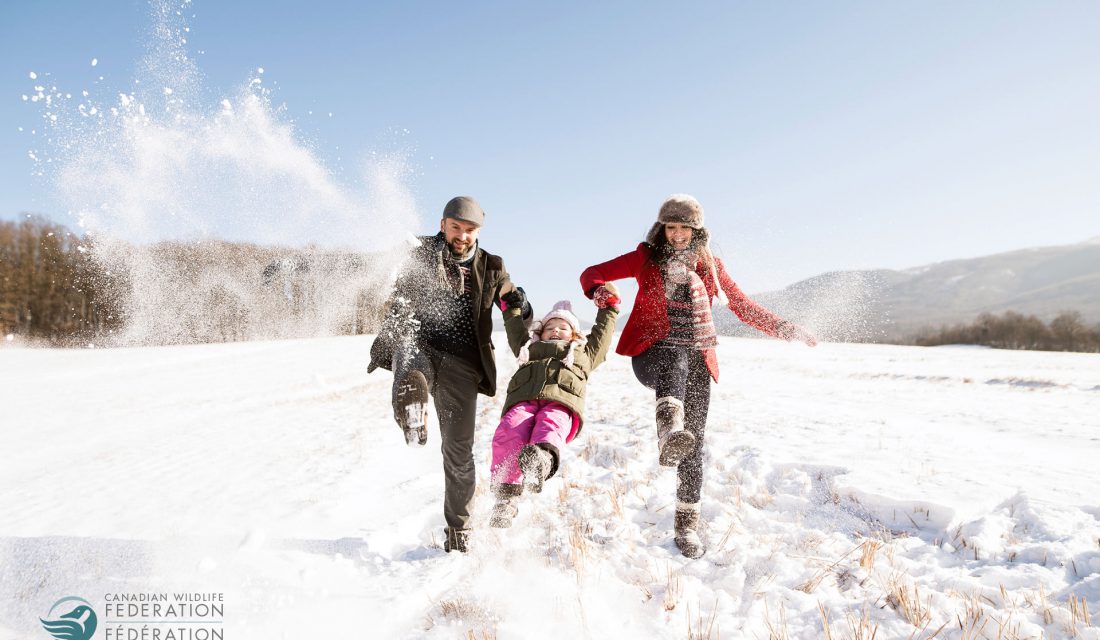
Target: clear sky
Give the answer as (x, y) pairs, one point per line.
(818, 135)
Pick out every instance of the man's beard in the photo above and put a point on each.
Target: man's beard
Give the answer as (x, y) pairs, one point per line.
(459, 253)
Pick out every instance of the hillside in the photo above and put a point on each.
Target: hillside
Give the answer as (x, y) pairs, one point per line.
(872, 304)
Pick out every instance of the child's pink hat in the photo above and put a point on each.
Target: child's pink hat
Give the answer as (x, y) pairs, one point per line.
(563, 310)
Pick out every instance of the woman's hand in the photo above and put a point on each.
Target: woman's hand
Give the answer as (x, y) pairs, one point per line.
(807, 337)
(791, 331)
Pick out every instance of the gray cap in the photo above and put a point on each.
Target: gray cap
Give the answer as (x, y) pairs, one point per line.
(466, 209)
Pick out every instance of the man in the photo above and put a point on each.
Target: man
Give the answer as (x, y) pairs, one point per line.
(437, 340)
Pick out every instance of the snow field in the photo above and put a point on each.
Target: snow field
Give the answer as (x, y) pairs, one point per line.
(897, 490)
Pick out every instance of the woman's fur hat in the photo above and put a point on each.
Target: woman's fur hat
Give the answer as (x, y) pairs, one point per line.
(680, 208)
(563, 310)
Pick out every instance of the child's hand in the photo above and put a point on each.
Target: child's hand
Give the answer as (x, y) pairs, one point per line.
(606, 295)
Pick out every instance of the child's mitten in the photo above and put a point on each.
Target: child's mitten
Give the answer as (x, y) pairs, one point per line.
(606, 295)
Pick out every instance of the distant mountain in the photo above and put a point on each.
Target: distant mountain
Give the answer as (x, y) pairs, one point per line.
(887, 304)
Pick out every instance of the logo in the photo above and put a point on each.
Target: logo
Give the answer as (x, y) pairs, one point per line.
(78, 624)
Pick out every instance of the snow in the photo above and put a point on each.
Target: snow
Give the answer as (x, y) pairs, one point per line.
(953, 486)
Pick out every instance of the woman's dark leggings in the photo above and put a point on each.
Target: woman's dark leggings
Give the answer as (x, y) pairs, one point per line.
(682, 373)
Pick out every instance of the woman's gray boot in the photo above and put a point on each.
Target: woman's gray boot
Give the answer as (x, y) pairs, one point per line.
(673, 442)
(687, 530)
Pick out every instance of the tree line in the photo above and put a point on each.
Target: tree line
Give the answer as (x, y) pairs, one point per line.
(1011, 330)
(51, 288)
(54, 290)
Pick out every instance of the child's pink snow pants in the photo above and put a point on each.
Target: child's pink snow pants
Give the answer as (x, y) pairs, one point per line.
(529, 422)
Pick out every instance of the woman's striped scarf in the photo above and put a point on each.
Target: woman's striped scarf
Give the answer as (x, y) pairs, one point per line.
(690, 321)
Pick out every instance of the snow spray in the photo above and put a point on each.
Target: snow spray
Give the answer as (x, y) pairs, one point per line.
(838, 306)
(215, 219)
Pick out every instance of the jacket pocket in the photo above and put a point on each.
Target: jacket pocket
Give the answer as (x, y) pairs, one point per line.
(570, 382)
(521, 377)
(487, 292)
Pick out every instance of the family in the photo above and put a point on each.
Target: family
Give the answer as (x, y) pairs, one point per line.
(437, 340)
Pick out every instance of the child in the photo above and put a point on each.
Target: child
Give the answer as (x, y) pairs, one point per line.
(545, 403)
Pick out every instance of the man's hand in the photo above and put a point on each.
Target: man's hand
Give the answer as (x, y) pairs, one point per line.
(606, 295)
(517, 299)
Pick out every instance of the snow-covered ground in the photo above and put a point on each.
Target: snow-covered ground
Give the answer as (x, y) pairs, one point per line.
(876, 489)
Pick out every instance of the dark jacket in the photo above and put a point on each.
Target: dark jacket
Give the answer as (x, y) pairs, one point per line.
(418, 290)
(544, 376)
(648, 322)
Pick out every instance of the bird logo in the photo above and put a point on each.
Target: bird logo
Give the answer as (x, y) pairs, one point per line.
(78, 624)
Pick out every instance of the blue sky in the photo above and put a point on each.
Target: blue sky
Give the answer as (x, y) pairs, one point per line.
(818, 136)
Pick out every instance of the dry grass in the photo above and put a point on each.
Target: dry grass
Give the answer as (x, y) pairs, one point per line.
(1038, 602)
(563, 493)
(707, 631)
(469, 612)
(906, 601)
(868, 550)
(578, 548)
(860, 627)
(763, 582)
(1075, 614)
(615, 493)
(589, 450)
(777, 631)
(673, 591)
(973, 620)
(462, 609)
(931, 636)
(815, 580)
(812, 584)
(1078, 614)
(810, 541)
(826, 627)
(761, 500)
(592, 453)
(1079, 611)
(726, 537)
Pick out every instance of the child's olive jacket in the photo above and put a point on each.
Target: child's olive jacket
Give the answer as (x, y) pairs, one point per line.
(544, 376)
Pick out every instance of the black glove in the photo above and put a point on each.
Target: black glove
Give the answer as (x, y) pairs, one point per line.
(517, 299)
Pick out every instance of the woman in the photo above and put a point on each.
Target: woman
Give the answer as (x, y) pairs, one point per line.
(670, 337)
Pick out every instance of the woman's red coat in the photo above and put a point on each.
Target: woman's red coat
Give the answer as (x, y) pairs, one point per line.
(648, 320)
